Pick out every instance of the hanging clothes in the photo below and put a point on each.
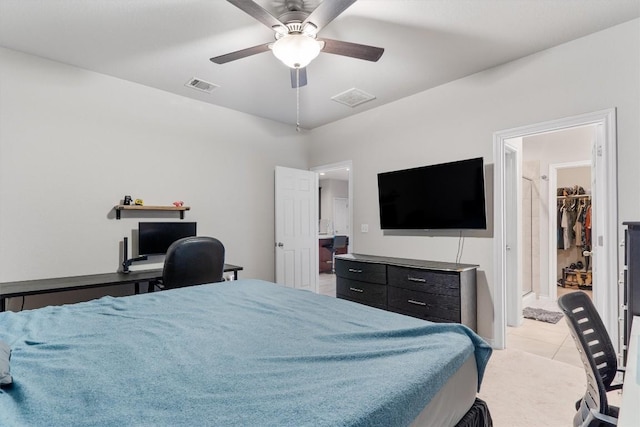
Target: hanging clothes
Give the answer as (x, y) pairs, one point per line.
(574, 229)
(578, 228)
(565, 229)
(560, 233)
(587, 225)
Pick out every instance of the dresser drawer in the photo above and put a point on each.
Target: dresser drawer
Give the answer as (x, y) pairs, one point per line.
(361, 271)
(433, 282)
(423, 304)
(367, 293)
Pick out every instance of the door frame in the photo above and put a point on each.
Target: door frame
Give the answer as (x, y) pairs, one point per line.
(513, 230)
(605, 148)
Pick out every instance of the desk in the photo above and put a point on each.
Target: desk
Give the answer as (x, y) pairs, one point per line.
(59, 284)
(629, 413)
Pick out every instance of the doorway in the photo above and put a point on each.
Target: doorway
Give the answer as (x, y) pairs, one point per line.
(335, 217)
(556, 188)
(604, 229)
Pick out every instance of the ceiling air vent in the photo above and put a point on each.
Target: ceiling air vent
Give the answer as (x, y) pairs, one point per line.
(201, 85)
(353, 97)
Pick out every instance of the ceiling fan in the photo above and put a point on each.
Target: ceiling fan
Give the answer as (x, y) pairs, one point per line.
(296, 32)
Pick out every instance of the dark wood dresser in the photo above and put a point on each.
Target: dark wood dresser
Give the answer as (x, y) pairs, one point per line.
(435, 291)
(631, 297)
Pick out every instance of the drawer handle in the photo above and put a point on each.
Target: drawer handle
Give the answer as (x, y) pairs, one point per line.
(416, 279)
(353, 270)
(356, 290)
(417, 302)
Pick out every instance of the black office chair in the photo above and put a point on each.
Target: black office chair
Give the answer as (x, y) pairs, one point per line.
(193, 261)
(598, 357)
(338, 242)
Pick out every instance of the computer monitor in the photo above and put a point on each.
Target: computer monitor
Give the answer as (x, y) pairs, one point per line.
(154, 238)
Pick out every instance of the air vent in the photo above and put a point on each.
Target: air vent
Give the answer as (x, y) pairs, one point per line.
(353, 97)
(201, 85)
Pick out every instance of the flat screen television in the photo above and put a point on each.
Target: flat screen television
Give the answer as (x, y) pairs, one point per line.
(441, 196)
(154, 238)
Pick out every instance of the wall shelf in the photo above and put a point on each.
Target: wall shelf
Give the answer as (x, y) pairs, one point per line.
(120, 208)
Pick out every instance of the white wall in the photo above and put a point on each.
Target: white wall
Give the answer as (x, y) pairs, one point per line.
(331, 188)
(74, 142)
(580, 176)
(458, 120)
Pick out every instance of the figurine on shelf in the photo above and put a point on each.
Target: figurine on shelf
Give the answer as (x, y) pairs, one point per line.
(178, 204)
(139, 202)
(127, 200)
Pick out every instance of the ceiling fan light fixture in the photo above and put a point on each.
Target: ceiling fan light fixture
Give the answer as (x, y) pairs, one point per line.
(296, 50)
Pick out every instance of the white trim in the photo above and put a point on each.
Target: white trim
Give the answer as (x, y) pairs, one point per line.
(513, 230)
(499, 244)
(606, 303)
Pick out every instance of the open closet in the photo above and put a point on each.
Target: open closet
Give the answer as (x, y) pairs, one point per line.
(574, 238)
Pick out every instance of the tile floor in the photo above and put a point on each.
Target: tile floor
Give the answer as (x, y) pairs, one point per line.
(327, 284)
(549, 340)
(552, 341)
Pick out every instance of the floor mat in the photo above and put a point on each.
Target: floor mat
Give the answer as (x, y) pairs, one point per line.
(542, 315)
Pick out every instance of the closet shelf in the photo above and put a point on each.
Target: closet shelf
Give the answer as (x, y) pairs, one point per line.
(120, 208)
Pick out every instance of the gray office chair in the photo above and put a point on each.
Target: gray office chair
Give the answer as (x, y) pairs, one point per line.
(598, 357)
(193, 261)
(339, 242)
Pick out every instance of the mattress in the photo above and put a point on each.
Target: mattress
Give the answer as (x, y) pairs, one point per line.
(244, 353)
(453, 400)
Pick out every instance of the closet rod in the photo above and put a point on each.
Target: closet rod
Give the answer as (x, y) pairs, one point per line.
(575, 196)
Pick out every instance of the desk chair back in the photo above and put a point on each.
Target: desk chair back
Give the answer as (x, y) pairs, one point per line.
(193, 261)
(339, 242)
(598, 357)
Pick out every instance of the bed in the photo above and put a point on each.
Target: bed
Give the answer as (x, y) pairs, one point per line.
(239, 353)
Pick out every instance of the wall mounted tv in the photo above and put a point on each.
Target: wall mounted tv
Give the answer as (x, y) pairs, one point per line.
(441, 196)
(154, 238)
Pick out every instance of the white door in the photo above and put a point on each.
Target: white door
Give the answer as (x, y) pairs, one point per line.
(296, 206)
(341, 216)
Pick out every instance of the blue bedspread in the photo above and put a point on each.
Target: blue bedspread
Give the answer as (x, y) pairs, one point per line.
(242, 353)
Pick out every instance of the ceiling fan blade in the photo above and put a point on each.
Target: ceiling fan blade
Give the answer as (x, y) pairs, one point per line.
(353, 50)
(239, 54)
(326, 12)
(298, 75)
(259, 13)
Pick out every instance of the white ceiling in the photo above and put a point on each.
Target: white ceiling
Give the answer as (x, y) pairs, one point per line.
(341, 174)
(165, 43)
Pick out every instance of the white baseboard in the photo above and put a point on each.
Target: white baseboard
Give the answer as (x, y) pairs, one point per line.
(529, 299)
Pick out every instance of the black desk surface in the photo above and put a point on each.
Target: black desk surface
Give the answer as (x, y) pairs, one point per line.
(58, 284)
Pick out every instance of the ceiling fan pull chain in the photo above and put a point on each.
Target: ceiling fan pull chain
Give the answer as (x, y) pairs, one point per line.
(297, 99)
